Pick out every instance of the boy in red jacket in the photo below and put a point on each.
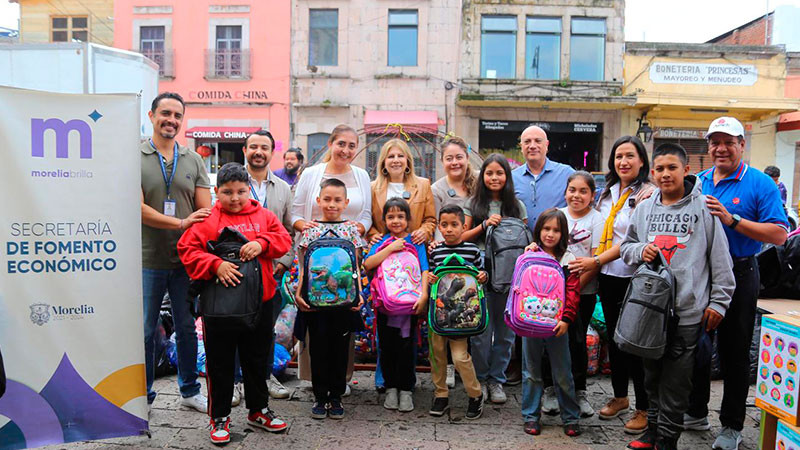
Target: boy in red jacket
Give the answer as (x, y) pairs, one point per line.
(268, 240)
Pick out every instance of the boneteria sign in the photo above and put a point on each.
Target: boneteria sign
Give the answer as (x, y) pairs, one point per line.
(709, 74)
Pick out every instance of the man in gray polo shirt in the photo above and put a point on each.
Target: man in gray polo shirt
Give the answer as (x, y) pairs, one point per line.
(175, 195)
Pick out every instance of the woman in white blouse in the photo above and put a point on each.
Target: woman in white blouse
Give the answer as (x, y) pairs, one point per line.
(342, 147)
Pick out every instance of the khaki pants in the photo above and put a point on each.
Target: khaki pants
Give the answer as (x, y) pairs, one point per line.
(461, 359)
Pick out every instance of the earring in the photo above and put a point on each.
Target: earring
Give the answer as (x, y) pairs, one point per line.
(408, 170)
(384, 171)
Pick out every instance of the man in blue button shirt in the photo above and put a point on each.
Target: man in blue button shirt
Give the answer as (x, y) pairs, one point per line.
(748, 204)
(540, 183)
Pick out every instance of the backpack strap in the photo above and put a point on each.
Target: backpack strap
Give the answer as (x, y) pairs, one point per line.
(331, 232)
(460, 261)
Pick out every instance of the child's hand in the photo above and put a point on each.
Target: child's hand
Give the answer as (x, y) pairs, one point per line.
(493, 220)
(359, 305)
(396, 245)
(583, 264)
(228, 275)
(250, 251)
(301, 303)
(532, 247)
(711, 319)
(432, 279)
(420, 306)
(561, 328)
(649, 253)
(482, 277)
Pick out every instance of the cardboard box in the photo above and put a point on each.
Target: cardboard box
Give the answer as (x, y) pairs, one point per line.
(767, 430)
(778, 376)
(787, 437)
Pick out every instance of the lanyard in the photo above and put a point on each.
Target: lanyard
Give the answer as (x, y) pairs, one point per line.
(175, 156)
(255, 195)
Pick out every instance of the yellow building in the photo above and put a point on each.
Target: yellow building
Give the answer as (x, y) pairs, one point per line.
(681, 88)
(66, 20)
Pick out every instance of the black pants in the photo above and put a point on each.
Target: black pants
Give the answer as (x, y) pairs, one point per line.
(221, 346)
(734, 336)
(329, 352)
(2, 377)
(623, 365)
(577, 345)
(669, 382)
(397, 355)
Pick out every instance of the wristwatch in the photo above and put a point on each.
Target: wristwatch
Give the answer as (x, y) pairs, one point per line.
(736, 219)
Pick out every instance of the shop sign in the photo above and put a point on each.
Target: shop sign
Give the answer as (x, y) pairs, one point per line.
(675, 133)
(217, 135)
(550, 127)
(708, 74)
(248, 96)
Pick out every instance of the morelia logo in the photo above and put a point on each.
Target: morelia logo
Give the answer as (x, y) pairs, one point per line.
(42, 313)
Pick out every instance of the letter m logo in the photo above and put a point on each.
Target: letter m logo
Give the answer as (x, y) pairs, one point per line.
(62, 131)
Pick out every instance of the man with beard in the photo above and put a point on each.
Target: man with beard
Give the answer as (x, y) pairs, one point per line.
(175, 195)
(292, 163)
(274, 194)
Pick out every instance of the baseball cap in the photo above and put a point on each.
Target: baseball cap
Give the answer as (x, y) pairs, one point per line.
(727, 125)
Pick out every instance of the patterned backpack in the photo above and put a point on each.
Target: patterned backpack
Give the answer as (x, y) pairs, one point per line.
(457, 305)
(397, 283)
(330, 273)
(537, 296)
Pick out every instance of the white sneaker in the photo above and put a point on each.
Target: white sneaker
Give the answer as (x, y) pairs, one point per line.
(391, 401)
(485, 392)
(199, 402)
(728, 439)
(451, 376)
(346, 390)
(276, 389)
(583, 402)
(550, 402)
(496, 393)
(237, 394)
(406, 402)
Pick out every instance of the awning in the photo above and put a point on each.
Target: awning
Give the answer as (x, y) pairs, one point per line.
(789, 121)
(375, 122)
(220, 133)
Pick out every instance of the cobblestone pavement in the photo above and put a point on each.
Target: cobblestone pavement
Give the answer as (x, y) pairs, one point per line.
(367, 425)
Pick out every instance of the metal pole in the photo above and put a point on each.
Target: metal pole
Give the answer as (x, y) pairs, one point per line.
(766, 25)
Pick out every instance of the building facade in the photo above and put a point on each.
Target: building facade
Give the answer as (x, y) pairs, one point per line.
(380, 66)
(66, 21)
(556, 64)
(229, 62)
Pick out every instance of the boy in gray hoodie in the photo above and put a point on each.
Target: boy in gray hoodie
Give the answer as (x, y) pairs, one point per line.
(677, 222)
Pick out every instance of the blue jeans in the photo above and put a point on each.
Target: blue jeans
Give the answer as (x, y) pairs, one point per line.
(155, 283)
(491, 350)
(532, 385)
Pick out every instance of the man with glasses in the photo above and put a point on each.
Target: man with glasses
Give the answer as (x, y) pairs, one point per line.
(749, 206)
(541, 182)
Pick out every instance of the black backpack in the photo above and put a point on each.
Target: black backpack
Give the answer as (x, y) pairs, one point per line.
(504, 243)
(237, 307)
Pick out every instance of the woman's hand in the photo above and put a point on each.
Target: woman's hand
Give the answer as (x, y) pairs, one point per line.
(561, 328)
(583, 264)
(532, 247)
(303, 225)
(250, 251)
(361, 229)
(375, 239)
(419, 236)
(228, 275)
(434, 244)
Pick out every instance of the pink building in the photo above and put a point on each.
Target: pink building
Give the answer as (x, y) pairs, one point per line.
(229, 62)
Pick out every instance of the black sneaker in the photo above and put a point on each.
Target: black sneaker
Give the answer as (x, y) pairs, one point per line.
(318, 411)
(335, 409)
(440, 406)
(474, 408)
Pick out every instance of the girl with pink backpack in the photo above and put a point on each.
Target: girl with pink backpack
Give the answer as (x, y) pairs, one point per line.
(552, 302)
(400, 293)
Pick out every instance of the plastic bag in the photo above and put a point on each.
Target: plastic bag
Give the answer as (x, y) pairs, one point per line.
(592, 351)
(280, 360)
(172, 354)
(598, 321)
(284, 327)
(162, 348)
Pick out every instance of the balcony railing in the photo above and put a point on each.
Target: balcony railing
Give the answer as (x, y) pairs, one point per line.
(164, 59)
(228, 64)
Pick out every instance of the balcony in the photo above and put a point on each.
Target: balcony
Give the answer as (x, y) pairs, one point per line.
(227, 64)
(165, 60)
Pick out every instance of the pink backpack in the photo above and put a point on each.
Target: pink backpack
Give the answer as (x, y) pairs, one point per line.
(397, 283)
(537, 295)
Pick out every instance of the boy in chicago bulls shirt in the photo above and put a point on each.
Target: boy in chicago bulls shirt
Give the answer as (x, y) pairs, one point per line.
(677, 222)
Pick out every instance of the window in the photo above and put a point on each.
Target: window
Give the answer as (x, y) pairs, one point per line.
(543, 48)
(498, 46)
(587, 49)
(228, 58)
(65, 29)
(317, 142)
(151, 44)
(421, 148)
(323, 38)
(403, 37)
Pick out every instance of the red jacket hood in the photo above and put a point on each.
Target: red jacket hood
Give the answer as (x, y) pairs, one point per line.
(249, 208)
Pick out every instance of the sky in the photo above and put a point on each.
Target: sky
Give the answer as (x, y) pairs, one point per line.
(645, 20)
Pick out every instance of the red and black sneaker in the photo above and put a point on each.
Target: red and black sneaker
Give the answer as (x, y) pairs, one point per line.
(647, 441)
(572, 429)
(220, 430)
(267, 420)
(533, 427)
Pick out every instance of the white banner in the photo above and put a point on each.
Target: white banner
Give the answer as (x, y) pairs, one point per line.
(711, 74)
(70, 285)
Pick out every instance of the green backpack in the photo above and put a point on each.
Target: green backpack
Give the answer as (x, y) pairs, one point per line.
(457, 307)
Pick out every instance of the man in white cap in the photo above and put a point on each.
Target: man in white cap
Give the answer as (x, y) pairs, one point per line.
(749, 206)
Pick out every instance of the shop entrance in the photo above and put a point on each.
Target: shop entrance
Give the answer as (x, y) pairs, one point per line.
(218, 153)
(578, 145)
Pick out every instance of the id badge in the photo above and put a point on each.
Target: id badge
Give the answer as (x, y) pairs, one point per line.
(169, 208)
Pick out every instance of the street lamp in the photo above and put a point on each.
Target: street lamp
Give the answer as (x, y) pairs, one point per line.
(645, 132)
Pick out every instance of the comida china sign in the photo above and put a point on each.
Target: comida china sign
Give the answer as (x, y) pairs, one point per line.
(708, 74)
